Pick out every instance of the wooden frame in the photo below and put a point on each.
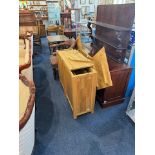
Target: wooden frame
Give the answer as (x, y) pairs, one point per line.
(28, 64)
(28, 83)
(30, 103)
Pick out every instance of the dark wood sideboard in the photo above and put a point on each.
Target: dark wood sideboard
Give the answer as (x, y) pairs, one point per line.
(120, 74)
(113, 28)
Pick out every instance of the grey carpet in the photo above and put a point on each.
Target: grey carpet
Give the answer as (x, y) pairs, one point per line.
(106, 132)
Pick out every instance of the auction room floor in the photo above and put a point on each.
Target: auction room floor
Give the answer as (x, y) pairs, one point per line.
(106, 132)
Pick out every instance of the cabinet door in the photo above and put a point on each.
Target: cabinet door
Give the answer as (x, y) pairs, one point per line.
(120, 80)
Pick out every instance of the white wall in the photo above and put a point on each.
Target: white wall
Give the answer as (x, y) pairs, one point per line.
(96, 2)
(27, 136)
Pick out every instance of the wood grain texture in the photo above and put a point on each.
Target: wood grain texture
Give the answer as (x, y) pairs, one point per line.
(25, 54)
(30, 102)
(25, 77)
(27, 18)
(120, 74)
(110, 29)
(113, 27)
(80, 89)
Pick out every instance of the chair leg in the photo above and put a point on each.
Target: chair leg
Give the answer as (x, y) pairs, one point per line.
(54, 73)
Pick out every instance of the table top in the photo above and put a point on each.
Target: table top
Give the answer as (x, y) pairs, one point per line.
(57, 38)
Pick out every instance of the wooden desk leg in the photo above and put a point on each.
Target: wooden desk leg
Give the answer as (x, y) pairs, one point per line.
(92, 111)
(54, 73)
(74, 113)
(74, 116)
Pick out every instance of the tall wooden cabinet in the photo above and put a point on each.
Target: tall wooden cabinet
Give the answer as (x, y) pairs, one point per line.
(113, 28)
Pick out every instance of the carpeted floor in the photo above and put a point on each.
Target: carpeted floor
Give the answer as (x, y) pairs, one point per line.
(106, 132)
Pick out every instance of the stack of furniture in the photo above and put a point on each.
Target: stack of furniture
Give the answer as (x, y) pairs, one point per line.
(26, 18)
(28, 22)
(39, 7)
(113, 27)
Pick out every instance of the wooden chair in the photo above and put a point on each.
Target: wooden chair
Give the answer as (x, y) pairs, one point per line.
(54, 63)
(61, 30)
(52, 29)
(64, 45)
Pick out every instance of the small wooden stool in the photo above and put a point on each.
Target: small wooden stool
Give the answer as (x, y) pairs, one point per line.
(54, 62)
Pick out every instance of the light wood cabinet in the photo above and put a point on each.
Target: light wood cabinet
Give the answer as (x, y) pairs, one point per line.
(79, 81)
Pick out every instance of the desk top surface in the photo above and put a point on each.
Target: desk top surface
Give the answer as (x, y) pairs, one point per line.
(75, 60)
(57, 38)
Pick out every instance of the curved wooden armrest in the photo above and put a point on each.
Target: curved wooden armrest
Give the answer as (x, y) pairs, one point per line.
(30, 102)
(28, 64)
(29, 84)
(29, 35)
(22, 36)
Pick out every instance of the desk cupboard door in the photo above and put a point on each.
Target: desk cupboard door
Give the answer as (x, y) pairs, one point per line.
(116, 93)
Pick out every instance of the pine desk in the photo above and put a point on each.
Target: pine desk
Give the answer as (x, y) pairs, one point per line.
(79, 80)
